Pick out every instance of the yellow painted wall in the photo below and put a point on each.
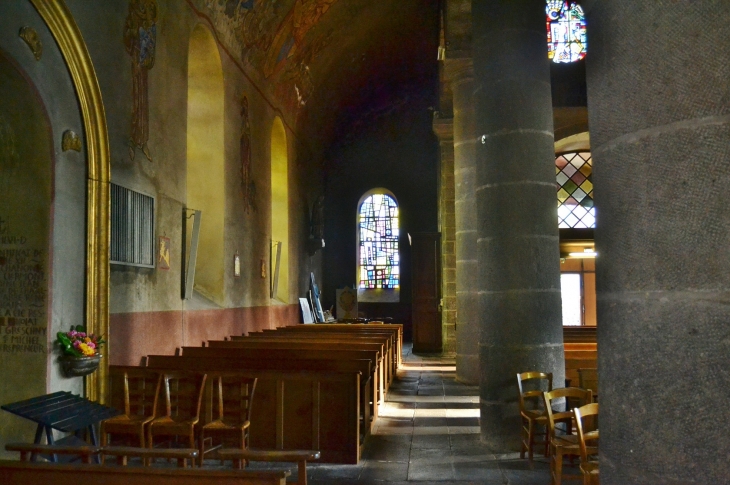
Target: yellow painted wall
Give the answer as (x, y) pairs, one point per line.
(280, 204)
(205, 159)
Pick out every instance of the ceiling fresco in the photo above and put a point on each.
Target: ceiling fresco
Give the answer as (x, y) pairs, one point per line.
(317, 58)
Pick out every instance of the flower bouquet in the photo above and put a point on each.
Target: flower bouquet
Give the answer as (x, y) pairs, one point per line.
(80, 351)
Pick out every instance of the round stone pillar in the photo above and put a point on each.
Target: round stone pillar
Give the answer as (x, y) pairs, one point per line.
(518, 247)
(461, 74)
(659, 114)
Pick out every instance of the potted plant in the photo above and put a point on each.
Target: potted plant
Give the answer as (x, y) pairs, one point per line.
(80, 351)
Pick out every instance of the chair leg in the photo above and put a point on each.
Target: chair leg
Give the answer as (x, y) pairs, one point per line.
(102, 440)
(530, 439)
(558, 476)
(523, 444)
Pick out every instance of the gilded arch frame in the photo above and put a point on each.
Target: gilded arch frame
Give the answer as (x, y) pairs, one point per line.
(61, 23)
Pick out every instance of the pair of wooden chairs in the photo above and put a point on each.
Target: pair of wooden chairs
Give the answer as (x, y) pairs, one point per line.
(537, 409)
(168, 404)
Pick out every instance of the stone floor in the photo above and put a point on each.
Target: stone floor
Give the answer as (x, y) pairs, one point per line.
(428, 432)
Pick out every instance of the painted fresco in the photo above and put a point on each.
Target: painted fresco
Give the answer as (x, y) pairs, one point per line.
(276, 38)
(140, 38)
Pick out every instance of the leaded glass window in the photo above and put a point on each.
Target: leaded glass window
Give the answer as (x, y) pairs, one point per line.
(566, 31)
(574, 176)
(379, 257)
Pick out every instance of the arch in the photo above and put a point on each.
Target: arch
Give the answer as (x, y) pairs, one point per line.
(205, 159)
(71, 43)
(280, 208)
(378, 258)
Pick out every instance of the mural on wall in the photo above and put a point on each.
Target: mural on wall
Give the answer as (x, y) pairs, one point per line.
(140, 38)
(26, 181)
(276, 38)
(247, 183)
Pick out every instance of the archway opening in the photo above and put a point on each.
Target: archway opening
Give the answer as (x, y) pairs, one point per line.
(279, 212)
(205, 159)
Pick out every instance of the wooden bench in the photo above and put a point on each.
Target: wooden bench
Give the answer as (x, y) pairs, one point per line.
(300, 457)
(395, 330)
(296, 359)
(388, 338)
(183, 456)
(255, 349)
(292, 409)
(25, 473)
(27, 450)
(581, 351)
(272, 341)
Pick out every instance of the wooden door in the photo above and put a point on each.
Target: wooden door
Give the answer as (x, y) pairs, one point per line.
(426, 292)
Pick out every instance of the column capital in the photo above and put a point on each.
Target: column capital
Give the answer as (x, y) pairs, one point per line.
(443, 128)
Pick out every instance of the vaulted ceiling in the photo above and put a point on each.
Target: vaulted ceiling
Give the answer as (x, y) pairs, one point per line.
(333, 64)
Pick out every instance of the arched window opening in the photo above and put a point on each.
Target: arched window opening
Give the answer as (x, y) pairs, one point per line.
(205, 160)
(574, 177)
(566, 31)
(279, 213)
(379, 259)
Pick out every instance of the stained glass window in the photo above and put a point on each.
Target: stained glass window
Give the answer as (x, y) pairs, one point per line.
(379, 257)
(566, 31)
(574, 174)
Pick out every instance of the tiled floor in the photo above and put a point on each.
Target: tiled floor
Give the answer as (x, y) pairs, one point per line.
(428, 432)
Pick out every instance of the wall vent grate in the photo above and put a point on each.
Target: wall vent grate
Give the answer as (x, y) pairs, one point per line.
(132, 228)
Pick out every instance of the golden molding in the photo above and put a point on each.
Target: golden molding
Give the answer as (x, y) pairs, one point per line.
(61, 23)
(30, 36)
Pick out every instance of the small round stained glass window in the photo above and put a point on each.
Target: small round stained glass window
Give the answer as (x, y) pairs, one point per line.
(566, 31)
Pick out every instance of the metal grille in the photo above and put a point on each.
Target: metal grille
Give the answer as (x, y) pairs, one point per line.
(132, 227)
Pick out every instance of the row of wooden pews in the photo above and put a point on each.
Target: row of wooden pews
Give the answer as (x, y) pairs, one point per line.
(319, 386)
(581, 355)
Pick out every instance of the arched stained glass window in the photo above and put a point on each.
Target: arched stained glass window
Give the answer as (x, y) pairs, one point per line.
(574, 174)
(378, 234)
(566, 31)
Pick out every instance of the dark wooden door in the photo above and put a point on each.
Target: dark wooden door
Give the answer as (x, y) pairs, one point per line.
(426, 281)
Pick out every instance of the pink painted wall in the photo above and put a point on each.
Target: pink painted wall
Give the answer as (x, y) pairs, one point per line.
(134, 335)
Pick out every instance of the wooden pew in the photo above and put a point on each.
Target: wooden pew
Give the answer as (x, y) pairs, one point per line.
(395, 329)
(25, 473)
(315, 331)
(365, 361)
(344, 341)
(581, 351)
(273, 343)
(292, 409)
(299, 457)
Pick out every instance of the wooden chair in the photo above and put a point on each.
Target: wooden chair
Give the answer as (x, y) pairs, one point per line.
(233, 399)
(567, 443)
(586, 418)
(532, 412)
(141, 390)
(183, 397)
(588, 378)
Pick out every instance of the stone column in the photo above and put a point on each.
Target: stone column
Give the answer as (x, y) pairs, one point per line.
(518, 247)
(660, 135)
(461, 73)
(444, 130)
